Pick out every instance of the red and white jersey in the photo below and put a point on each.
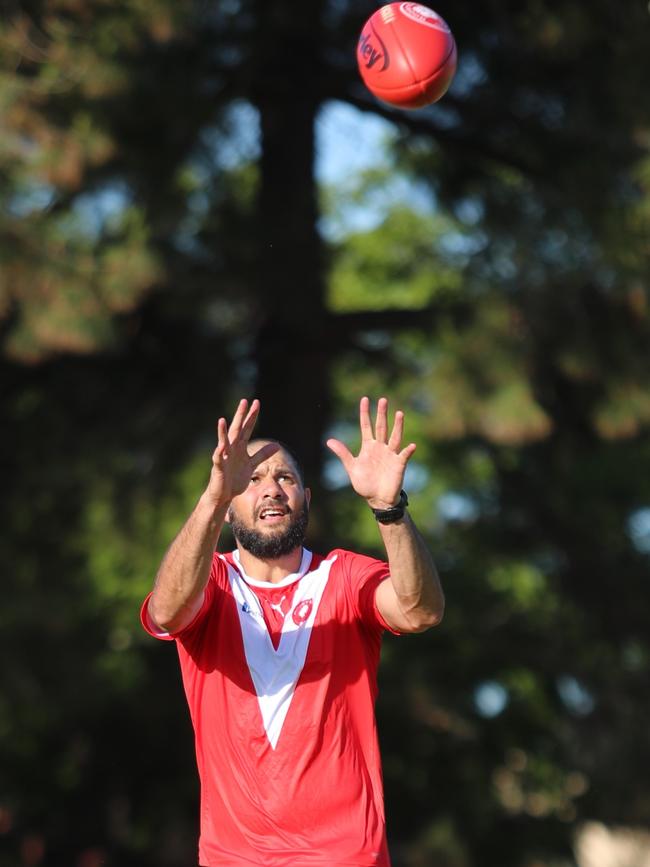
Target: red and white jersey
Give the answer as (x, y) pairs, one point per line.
(281, 682)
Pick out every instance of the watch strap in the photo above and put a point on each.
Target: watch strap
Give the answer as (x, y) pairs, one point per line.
(389, 516)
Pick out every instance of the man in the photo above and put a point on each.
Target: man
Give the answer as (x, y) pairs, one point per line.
(279, 649)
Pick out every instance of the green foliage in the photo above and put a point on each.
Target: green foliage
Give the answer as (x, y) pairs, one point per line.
(395, 266)
(160, 255)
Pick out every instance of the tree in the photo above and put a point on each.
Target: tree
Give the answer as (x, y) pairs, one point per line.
(161, 254)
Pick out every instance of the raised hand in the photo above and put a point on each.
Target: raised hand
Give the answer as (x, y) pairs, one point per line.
(232, 466)
(377, 472)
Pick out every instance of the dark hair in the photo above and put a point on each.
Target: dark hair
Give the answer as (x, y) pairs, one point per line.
(285, 448)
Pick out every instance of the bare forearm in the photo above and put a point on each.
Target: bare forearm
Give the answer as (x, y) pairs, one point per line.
(185, 569)
(183, 575)
(414, 601)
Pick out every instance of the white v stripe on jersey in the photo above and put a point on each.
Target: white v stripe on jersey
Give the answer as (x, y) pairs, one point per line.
(274, 672)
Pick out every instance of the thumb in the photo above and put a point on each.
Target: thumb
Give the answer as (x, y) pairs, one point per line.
(342, 452)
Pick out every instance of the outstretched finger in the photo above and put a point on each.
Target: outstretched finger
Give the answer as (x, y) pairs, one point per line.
(342, 452)
(238, 419)
(250, 420)
(381, 424)
(397, 432)
(407, 452)
(364, 419)
(222, 438)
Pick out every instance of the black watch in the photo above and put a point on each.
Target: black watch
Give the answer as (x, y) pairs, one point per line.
(389, 516)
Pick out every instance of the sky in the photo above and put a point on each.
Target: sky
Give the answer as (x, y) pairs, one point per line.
(347, 141)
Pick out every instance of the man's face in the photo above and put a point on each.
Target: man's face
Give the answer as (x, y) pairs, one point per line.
(269, 519)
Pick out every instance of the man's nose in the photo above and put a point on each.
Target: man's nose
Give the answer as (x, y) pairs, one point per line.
(273, 490)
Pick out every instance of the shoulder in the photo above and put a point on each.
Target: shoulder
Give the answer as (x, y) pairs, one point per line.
(354, 559)
(216, 592)
(220, 565)
(355, 568)
(227, 558)
(358, 576)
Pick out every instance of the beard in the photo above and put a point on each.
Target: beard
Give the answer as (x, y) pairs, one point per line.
(270, 546)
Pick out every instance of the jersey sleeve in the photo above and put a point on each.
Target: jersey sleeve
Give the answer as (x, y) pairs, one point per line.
(218, 567)
(363, 576)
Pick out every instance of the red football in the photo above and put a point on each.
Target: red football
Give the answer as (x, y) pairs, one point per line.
(406, 55)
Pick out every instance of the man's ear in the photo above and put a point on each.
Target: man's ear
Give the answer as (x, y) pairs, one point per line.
(228, 518)
(308, 496)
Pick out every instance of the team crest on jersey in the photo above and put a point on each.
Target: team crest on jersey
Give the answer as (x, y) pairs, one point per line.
(424, 15)
(302, 611)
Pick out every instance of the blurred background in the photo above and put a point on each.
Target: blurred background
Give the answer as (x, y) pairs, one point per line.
(200, 201)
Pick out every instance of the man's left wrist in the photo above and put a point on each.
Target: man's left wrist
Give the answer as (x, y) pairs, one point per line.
(393, 513)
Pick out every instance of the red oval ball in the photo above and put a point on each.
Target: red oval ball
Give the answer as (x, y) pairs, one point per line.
(406, 55)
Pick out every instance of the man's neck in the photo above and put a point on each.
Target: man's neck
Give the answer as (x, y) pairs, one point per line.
(271, 571)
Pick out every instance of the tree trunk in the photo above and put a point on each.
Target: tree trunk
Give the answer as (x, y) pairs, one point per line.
(291, 352)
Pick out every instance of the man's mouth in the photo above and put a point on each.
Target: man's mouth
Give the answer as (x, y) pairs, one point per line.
(272, 514)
